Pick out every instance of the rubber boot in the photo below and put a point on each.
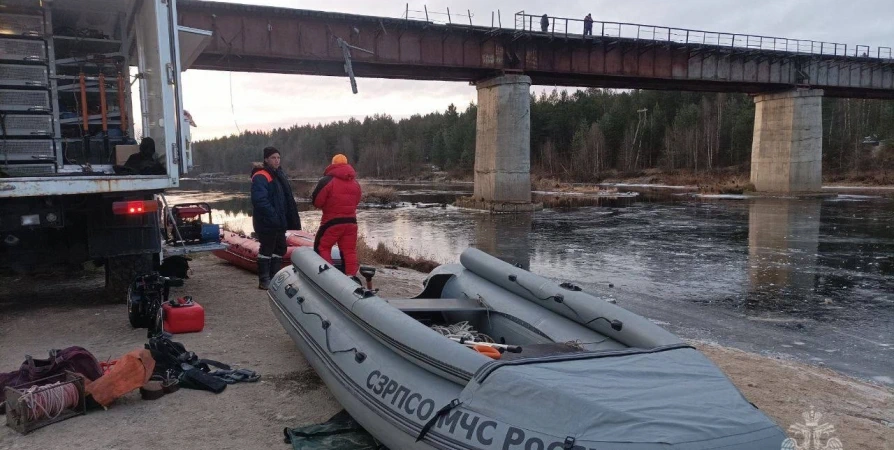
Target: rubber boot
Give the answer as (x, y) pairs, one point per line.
(275, 265)
(264, 273)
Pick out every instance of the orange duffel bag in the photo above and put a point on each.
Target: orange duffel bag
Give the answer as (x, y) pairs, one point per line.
(130, 373)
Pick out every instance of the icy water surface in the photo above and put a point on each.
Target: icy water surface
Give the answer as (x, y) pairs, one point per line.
(812, 278)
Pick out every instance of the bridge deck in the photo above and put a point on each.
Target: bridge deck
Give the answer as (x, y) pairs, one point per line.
(279, 40)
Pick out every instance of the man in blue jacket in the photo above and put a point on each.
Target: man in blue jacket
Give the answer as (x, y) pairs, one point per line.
(275, 211)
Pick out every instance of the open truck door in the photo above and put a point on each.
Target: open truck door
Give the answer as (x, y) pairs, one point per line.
(192, 41)
(159, 41)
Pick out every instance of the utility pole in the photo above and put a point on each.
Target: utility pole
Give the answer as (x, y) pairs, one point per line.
(637, 140)
(346, 52)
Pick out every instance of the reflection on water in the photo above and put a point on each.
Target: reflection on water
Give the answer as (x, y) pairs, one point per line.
(822, 258)
(506, 236)
(783, 237)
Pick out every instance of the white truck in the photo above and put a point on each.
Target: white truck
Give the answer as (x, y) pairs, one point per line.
(67, 68)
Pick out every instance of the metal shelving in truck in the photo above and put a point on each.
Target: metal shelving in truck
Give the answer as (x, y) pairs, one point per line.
(67, 70)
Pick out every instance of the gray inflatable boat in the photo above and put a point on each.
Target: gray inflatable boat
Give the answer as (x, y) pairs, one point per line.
(490, 356)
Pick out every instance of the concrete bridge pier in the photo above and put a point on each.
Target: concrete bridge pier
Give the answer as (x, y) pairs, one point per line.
(503, 146)
(787, 151)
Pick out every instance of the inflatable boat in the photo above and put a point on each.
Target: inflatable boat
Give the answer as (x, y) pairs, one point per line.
(242, 251)
(490, 356)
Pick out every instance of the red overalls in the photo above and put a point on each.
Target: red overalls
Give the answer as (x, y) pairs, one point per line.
(338, 195)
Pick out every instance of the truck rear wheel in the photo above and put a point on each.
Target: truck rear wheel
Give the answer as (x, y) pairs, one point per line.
(121, 271)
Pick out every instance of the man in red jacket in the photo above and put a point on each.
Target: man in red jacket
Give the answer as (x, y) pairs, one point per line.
(338, 194)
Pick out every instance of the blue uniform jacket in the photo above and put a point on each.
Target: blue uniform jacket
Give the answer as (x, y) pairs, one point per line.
(273, 203)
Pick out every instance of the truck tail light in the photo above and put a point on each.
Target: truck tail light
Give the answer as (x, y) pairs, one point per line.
(134, 208)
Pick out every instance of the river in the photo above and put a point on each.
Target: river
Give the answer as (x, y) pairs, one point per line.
(809, 279)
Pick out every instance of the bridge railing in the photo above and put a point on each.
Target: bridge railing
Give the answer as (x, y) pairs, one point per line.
(438, 17)
(567, 27)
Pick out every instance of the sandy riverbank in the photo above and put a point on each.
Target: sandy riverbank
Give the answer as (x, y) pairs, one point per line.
(240, 329)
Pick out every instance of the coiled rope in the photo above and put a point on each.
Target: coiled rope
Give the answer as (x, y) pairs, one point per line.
(462, 330)
(49, 401)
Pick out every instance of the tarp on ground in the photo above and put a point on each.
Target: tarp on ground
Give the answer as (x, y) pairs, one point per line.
(340, 432)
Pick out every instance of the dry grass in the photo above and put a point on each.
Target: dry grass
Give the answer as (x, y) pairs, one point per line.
(372, 193)
(232, 228)
(729, 180)
(555, 185)
(736, 180)
(460, 175)
(579, 201)
(384, 256)
(378, 194)
(732, 185)
(878, 177)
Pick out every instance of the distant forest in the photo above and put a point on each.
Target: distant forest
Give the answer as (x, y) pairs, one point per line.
(582, 135)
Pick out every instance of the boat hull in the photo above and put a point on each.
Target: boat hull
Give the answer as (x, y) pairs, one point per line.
(402, 386)
(242, 251)
(348, 394)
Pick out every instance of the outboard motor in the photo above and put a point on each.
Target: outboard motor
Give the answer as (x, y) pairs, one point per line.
(144, 299)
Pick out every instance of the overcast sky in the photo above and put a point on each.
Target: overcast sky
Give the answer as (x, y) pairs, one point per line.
(263, 101)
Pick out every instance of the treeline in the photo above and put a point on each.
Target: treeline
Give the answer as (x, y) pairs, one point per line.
(578, 135)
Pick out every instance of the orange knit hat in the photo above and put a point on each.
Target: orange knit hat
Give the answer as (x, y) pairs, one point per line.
(339, 159)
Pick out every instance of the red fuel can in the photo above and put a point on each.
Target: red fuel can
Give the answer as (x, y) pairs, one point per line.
(189, 317)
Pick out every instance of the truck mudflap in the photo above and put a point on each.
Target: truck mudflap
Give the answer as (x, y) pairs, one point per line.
(128, 237)
(125, 227)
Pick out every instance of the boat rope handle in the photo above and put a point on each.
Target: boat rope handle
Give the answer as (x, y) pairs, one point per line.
(616, 324)
(358, 355)
(559, 298)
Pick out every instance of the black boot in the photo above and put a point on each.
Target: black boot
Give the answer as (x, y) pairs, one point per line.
(275, 265)
(263, 273)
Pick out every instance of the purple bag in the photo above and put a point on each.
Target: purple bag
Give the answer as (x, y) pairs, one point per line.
(73, 359)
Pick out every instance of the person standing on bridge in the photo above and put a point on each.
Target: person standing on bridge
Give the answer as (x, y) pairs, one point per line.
(274, 212)
(588, 25)
(544, 23)
(338, 194)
